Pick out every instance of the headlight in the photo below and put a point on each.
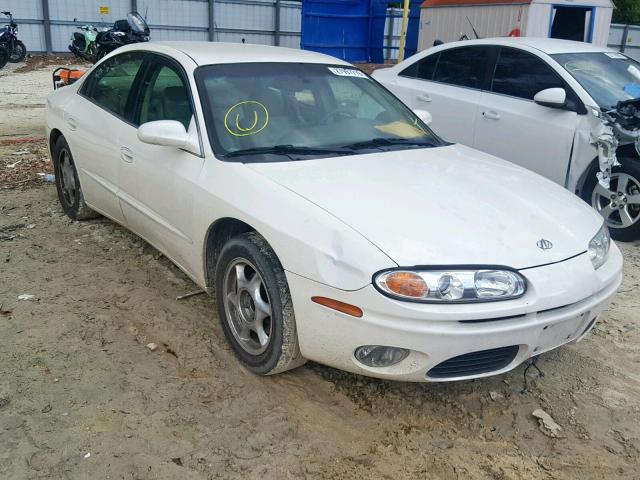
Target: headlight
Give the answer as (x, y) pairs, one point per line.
(599, 247)
(451, 286)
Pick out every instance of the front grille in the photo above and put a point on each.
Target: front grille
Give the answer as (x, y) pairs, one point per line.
(475, 363)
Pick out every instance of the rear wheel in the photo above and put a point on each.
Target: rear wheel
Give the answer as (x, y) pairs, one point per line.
(620, 204)
(18, 53)
(254, 306)
(67, 183)
(4, 56)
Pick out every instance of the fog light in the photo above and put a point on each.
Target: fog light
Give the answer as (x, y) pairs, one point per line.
(380, 356)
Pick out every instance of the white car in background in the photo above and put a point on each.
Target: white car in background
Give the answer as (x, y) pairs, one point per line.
(328, 220)
(549, 105)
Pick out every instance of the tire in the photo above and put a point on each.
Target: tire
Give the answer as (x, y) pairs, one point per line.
(4, 56)
(622, 214)
(249, 280)
(67, 183)
(19, 52)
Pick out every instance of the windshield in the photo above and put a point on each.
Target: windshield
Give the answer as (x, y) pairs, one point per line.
(286, 111)
(604, 75)
(137, 23)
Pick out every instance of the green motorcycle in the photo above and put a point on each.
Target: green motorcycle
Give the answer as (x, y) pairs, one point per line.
(83, 44)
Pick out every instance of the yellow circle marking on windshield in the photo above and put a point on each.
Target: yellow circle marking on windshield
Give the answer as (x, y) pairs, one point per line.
(260, 118)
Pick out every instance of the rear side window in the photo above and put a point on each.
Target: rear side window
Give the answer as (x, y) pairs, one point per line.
(521, 74)
(166, 97)
(463, 67)
(110, 83)
(422, 69)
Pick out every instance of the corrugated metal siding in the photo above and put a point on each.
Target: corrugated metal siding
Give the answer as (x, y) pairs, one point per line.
(450, 23)
(632, 47)
(234, 20)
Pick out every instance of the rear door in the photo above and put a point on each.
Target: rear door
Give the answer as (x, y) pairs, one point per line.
(96, 117)
(157, 183)
(512, 126)
(447, 84)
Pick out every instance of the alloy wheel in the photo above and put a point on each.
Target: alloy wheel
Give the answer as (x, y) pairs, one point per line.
(247, 306)
(620, 205)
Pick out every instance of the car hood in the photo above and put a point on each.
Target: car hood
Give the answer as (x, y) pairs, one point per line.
(444, 206)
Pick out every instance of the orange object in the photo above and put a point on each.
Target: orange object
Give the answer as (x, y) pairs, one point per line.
(339, 306)
(407, 283)
(66, 76)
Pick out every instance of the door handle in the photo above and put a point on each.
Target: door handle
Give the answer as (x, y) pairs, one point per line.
(423, 97)
(71, 122)
(126, 155)
(491, 115)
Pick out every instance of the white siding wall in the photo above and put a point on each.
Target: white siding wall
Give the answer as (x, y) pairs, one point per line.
(449, 23)
(538, 21)
(602, 25)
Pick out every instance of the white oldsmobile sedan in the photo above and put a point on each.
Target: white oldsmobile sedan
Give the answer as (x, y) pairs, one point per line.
(325, 217)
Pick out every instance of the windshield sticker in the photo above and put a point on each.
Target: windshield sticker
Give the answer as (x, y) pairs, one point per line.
(401, 129)
(347, 72)
(616, 56)
(246, 118)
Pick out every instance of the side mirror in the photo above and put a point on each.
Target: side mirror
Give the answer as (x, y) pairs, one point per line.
(166, 133)
(424, 116)
(551, 97)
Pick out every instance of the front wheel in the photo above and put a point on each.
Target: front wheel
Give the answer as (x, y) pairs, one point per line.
(254, 306)
(18, 53)
(620, 204)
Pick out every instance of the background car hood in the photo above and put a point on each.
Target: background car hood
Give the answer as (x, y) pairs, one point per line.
(444, 206)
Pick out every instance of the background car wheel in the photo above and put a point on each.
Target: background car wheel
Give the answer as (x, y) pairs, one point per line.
(67, 183)
(18, 53)
(254, 306)
(620, 205)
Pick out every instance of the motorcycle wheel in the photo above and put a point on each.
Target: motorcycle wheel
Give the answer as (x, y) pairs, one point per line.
(4, 56)
(18, 53)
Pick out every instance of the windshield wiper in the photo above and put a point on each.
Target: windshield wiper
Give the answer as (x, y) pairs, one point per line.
(386, 142)
(288, 149)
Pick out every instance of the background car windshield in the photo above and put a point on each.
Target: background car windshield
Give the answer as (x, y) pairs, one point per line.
(259, 106)
(604, 76)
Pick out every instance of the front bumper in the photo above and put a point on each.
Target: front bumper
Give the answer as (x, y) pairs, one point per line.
(561, 305)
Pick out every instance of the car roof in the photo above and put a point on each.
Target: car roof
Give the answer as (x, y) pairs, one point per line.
(547, 45)
(208, 53)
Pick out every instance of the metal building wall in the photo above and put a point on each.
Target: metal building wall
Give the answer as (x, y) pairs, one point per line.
(253, 21)
(626, 39)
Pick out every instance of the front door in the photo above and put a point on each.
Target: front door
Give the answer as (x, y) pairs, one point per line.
(157, 183)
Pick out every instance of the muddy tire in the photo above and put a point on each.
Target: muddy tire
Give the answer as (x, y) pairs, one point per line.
(67, 183)
(254, 306)
(620, 205)
(18, 53)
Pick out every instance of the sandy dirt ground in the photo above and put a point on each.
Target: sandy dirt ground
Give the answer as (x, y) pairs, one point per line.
(82, 397)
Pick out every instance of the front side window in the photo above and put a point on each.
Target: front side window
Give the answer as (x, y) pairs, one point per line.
(110, 83)
(166, 97)
(521, 74)
(291, 111)
(606, 76)
(462, 67)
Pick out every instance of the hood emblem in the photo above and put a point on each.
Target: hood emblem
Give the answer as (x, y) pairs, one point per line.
(544, 244)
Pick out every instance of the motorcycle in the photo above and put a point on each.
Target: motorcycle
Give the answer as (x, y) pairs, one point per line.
(133, 29)
(83, 44)
(93, 43)
(9, 40)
